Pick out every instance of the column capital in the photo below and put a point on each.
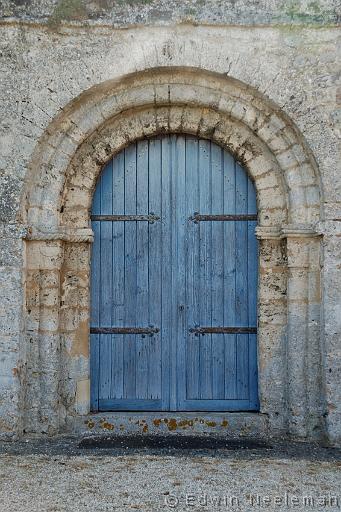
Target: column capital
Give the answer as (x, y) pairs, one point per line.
(286, 231)
(62, 235)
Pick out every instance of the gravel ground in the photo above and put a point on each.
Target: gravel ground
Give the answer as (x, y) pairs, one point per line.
(56, 476)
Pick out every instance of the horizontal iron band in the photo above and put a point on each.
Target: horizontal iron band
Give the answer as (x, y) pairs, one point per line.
(224, 330)
(125, 218)
(124, 330)
(202, 218)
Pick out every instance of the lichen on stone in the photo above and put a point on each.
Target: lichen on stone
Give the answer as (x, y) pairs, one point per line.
(68, 10)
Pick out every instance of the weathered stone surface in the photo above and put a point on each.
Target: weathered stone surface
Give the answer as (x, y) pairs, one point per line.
(267, 93)
(245, 12)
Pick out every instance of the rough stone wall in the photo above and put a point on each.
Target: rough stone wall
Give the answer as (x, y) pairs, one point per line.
(286, 50)
(128, 12)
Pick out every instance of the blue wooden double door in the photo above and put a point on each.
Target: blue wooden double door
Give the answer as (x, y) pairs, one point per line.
(174, 280)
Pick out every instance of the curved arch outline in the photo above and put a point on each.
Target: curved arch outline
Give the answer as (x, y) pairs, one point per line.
(180, 100)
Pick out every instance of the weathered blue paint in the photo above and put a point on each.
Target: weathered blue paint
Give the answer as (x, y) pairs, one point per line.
(174, 274)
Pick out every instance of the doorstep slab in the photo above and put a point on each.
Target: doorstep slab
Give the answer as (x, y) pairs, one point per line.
(232, 425)
(167, 442)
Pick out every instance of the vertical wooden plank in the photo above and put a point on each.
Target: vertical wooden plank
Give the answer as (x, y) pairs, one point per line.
(94, 372)
(129, 382)
(241, 248)
(96, 200)
(230, 360)
(95, 274)
(118, 277)
(179, 266)
(217, 285)
(155, 268)
(95, 302)
(253, 372)
(106, 284)
(94, 318)
(174, 204)
(252, 251)
(229, 297)
(242, 283)
(167, 258)
(106, 185)
(242, 371)
(205, 270)
(252, 296)
(142, 276)
(192, 360)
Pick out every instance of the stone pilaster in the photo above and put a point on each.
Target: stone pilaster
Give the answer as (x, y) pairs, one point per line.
(304, 374)
(289, 330)
(41, 411)
(75, 316)
(272, 322)
(57, 313)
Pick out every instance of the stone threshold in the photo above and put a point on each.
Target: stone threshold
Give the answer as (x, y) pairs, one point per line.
(234, 425)
(171, 442)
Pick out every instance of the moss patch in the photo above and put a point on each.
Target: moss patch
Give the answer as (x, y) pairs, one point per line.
(68, 10)
(312, 14)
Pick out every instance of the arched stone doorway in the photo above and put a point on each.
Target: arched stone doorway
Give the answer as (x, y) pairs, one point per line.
(59, 192)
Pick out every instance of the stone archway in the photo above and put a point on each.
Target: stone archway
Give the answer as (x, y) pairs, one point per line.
(64, 170)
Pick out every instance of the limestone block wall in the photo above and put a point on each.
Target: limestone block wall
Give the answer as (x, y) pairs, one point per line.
(264, 83)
